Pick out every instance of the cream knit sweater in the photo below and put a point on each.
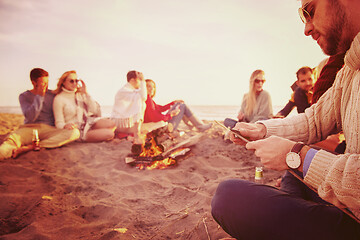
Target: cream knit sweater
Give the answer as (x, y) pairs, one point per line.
(67, 111)
(336, 177)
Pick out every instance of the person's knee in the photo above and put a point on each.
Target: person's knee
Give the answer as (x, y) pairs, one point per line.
(228, 193)
(109, 134)
(182, 106)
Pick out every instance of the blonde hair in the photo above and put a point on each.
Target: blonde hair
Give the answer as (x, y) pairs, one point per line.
(62, 80)
(251, 95)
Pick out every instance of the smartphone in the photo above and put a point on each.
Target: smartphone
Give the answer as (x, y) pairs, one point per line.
(237, 133)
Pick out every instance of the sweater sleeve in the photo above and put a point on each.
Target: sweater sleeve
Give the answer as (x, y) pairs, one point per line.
(58, 106)
(336, 178)
(287, 109)
(164, 107)
(152, 112)
(31, 108)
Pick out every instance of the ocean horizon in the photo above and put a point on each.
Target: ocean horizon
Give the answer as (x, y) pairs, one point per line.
(204, 112)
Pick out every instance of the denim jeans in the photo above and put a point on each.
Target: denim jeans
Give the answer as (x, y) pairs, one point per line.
(184, 111)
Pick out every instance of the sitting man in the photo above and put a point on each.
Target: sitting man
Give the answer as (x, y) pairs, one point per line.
(37, 107)
(301, 97)
(129, 107)
(320, 197)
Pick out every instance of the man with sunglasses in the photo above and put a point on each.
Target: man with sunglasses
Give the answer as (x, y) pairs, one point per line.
(37, 107)
(320, 197)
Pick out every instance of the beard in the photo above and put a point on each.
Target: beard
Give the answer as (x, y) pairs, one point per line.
(336, 37)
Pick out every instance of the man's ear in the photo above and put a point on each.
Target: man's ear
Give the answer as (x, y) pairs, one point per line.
(297, 82)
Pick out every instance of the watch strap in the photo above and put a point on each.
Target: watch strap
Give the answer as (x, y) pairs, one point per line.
(297, 147)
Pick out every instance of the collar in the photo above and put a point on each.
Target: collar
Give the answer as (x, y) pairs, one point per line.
(352, 57)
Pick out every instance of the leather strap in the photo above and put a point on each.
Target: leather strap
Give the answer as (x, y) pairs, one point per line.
(297, 147)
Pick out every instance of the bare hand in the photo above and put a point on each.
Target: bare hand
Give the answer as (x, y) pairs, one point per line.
(278, 115)
(178, 101)
(240, 116)
(272, 151)
(140, 75)
(41, 88)
(81, 88)
(251, 131)
(70, 126)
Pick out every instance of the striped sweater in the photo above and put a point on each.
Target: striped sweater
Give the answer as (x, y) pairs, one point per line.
(336, 177)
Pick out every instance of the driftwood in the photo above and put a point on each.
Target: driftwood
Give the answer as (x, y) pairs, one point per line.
(136, 159)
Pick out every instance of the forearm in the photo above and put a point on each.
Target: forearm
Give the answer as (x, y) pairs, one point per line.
(287, 109)
(31, 110)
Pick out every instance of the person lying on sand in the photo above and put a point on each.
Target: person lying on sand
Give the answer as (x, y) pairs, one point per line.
(37, 107)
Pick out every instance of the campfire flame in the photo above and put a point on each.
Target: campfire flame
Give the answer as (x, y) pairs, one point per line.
(151, 149)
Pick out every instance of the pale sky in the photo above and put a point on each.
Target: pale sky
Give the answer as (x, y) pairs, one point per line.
(201, 51)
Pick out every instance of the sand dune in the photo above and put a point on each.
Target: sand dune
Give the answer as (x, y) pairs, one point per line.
(87, 191)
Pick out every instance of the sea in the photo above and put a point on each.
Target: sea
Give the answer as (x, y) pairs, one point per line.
(204, 112)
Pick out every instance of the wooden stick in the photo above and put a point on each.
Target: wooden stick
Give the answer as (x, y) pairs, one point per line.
(206, 229)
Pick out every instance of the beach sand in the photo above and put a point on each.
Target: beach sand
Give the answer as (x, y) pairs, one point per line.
(87, 191)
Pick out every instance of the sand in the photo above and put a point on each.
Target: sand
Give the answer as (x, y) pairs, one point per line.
(87, 191)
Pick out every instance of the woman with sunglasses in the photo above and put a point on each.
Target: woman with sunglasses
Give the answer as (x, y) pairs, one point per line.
(256, 104)
(75, 108)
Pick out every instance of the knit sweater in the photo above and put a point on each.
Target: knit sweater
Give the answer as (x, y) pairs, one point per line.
(336, 177)
(67, 111)
(263, 109)
(153, 111)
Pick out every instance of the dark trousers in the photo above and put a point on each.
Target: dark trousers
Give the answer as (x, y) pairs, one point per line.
(246, 210)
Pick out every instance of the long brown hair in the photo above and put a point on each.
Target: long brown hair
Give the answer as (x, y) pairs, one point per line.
(62, 80)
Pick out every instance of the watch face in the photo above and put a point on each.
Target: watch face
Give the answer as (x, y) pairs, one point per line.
(293, 160)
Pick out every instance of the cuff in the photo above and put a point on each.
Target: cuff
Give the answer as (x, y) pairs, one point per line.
(307, 160)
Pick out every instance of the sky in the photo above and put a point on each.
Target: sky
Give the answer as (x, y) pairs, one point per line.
(201, 51)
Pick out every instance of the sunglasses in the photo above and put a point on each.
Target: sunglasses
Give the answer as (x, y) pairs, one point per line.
(307, 12)
(74, 81)
(259, 81)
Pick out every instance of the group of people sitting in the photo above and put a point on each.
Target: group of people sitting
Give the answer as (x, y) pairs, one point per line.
(69, 113)
(257, 105)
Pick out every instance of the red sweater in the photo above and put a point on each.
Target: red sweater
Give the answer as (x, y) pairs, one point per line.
(153, 111)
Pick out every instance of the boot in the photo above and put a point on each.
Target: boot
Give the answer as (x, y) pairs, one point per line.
(199, 124)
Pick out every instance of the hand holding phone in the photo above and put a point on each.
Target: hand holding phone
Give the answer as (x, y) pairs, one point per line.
(236, 133)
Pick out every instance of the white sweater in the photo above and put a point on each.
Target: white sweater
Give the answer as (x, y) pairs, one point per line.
(129, 105)
(67, 111)
(336, 177)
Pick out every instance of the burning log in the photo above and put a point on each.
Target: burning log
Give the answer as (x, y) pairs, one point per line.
(159, 150)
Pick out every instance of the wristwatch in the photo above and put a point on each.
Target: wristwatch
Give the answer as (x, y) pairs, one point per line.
(293, 159)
